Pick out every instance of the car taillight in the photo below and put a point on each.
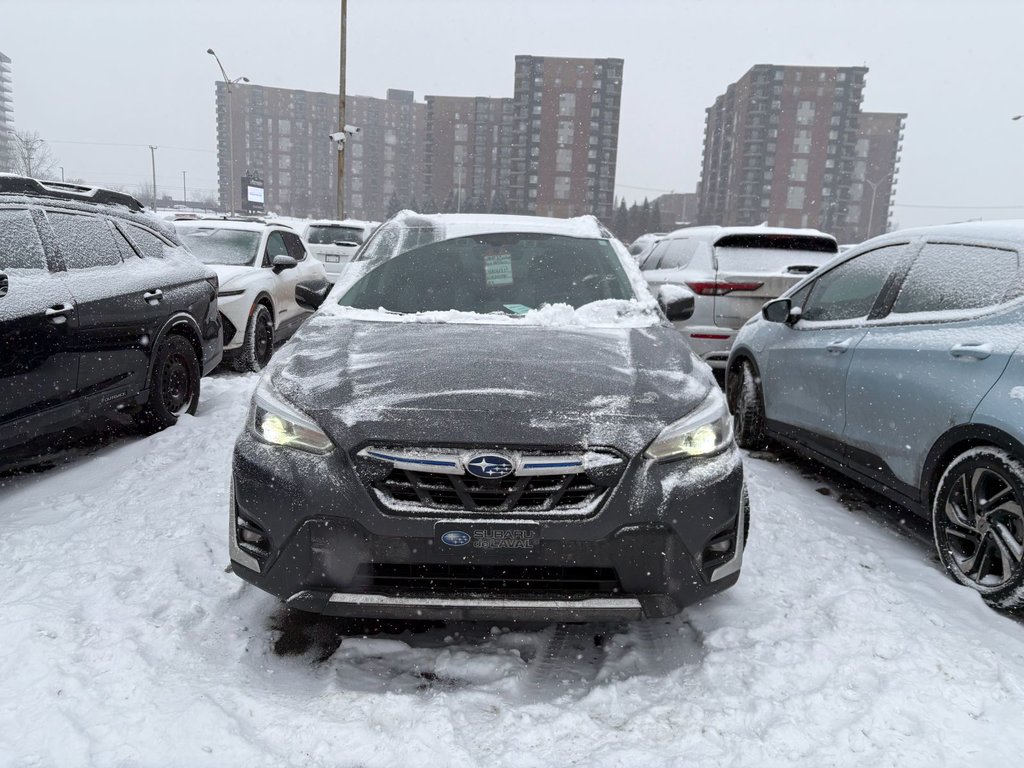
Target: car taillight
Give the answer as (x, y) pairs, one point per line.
(716, 288)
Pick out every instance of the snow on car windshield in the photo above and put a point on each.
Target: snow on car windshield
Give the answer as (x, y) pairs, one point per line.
(330, 235)
(510, 273)
(213, 245)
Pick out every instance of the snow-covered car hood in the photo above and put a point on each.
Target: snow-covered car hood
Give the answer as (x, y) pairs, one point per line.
(490, 384)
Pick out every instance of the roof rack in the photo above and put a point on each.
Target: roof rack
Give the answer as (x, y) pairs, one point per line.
(11, 183)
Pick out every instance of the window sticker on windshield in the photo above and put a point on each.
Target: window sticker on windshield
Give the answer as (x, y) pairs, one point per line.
(498, 269)
(522, 309)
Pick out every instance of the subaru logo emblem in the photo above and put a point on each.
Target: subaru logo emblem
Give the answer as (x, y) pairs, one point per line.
(455, 538)
(489, 466)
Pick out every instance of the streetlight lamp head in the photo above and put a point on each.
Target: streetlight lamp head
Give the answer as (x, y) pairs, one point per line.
(1017, 117)
(245, 79)
(210, 51)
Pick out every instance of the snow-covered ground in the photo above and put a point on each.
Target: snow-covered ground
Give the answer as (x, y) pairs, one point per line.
(123, 642)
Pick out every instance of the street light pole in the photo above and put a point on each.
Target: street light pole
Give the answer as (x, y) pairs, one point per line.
(228, 82)
(341, 112)
(61, 173)
(871, 210)
(458, 197)
(152, 159)
(184, 190)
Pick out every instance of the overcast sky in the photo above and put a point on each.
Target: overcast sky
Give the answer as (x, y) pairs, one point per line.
(137, 73)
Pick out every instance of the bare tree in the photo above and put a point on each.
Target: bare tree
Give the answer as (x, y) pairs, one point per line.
(32, 155)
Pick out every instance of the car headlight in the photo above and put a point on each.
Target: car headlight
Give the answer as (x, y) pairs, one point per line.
(705, 431)
(276, 422)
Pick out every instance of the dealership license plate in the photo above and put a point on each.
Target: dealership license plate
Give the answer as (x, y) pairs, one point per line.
(332, 259)
(486, 537)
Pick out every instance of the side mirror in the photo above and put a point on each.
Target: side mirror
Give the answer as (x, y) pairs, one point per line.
(780, 311)
(676, 301)
(283, 262)
(310, 294)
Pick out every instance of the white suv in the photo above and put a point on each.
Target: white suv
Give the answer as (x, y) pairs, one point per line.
(732, 271)
(335, 242)
(258, 265)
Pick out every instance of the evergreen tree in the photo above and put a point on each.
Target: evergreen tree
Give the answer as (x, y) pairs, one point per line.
(394, 205)
(449, 203)
(620, 222)
(645, 219)
(431, 206)
(636, 226)
(414, 204)
(656, 222)
(498, 203)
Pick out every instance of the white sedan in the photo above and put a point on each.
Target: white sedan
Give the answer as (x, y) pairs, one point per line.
(258, 265)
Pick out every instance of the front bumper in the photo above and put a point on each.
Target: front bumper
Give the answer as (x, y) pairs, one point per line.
(330, 549)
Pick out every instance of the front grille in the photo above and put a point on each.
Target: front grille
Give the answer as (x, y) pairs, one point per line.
(508, 580)
(403, 490)
(442, 481)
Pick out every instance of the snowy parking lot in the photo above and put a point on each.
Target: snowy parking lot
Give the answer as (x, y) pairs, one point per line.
(123, 641)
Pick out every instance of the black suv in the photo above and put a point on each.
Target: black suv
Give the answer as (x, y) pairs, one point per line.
(101, 309)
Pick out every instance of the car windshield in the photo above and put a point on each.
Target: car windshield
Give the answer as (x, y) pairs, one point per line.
(334, 235)
(214, 245)
(510, 273)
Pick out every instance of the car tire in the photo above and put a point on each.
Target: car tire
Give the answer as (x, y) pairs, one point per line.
(173, 385)
(978, 524)
(747, 408)
(259, 341)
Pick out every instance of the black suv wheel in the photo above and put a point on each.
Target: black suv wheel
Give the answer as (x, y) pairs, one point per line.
(259, 341)
(174, 386)
(978, 522)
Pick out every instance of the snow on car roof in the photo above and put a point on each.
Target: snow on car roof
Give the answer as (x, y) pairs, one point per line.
(1008, 229)
(467, 224)
(718, 232)
(341, 223)
(248, 226)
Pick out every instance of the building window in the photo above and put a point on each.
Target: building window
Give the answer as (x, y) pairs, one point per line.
(461, 132)
(795, 198)
(561, 188)
(805, 112)
(567, 105)
(563, 160)
(802, 142)
(798, 169)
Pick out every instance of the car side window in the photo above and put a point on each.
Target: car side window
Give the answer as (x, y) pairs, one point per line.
(947, 277)
(678, 254)
(148, 244)
(850, 290)
(294, 245)
(275, 247)
(84, 241)
(20, 245)
(654, 257)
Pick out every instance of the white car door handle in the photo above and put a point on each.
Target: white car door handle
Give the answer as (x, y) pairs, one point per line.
(840, 346)
(977, 351)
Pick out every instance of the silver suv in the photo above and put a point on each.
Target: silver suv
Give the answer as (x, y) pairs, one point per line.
(732, 271)
(901, 364)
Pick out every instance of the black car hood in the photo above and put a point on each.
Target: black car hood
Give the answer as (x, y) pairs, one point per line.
(490, 384)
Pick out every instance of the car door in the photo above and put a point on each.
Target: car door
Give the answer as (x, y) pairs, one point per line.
(306, 268)
(804, 383)
(120, 305)
(288, 313)
(38, 359)
(932, 359)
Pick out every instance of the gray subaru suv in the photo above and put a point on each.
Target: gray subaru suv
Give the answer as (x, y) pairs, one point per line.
(489, 417)
(901, 364)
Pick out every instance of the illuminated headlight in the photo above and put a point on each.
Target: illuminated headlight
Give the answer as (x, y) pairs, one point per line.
(706, 431)
(276, 422)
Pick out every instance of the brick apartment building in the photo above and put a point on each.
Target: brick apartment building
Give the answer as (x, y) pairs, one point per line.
(780, 146)
(283, 135)
(6, 115)
(566, 135)
(551, 149)
(467, 151)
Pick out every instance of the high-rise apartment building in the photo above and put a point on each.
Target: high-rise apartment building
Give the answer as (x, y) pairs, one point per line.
(566, 135)
(6, 115)
(780, 146)
(879, 144)
(467, 153)
(283, 136)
